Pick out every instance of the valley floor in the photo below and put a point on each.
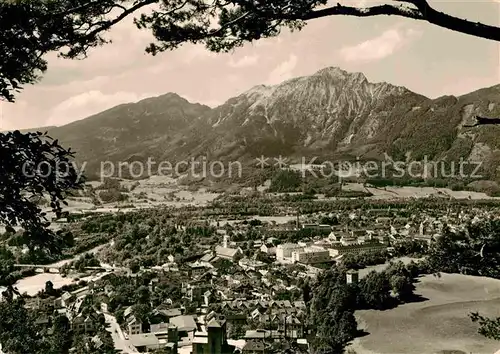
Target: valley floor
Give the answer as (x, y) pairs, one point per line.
(436, 325)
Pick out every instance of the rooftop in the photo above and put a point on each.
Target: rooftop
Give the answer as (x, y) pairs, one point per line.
(184, 323)
(228, 252)
(143, 340)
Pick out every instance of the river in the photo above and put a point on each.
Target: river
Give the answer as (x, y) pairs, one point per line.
(32, 285)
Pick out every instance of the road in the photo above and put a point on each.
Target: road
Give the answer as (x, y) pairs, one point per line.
(121, 343)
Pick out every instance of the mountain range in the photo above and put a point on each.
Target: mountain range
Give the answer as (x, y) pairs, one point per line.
(332, 114)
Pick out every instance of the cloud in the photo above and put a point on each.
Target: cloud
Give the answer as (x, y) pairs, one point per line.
(14, 116)
(246, 61)
(379, 47)
(267, 42)
(195, 52)
(88, 103)
(283, 71)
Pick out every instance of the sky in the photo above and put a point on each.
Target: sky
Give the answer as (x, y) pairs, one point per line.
(424, 58)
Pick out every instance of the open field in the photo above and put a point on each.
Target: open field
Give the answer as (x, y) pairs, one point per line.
(391, 192)
(380, 267)
(166, 191)
(436, 325)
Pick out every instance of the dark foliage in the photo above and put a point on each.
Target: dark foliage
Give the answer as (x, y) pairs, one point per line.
(32, 28)
(33, 167)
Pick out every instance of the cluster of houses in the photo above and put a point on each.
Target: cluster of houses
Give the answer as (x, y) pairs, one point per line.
(247, 296)
(77, 306)
(329, 248)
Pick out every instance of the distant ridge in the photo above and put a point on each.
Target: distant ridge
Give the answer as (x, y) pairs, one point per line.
(27, 130)
(331, 113)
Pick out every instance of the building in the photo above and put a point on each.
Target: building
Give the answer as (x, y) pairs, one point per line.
(251, 264)
(349, 239)
(291, 326)
(318, 227)
(268, 249)
(214, 340)
(285, 250)
(186, 327)
(194, 292)
(336, 250)
(67, 299)
(352, 277)
(311, 255)
(145, 342)
(254, 347)
(134, 326)
(167, 336)
(84, 324)
(231, 254)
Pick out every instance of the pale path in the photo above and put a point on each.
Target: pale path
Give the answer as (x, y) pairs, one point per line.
(119, 340)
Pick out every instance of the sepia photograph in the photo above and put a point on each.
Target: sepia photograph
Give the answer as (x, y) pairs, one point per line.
(250, 176)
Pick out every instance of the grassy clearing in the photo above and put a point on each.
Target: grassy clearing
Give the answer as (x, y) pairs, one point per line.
(437, 325)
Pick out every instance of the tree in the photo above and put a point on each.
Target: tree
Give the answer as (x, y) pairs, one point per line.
(332, 312)
(306, 292)
(32, 28)
(402, 286)
(375, 288)
(490, 328)
(35, 167)
(134, 266)
(49, 287)
(7, 261)
(18, 331)
(473, 251)
(61, 338)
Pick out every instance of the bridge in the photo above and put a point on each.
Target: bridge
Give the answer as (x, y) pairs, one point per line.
(48, 268)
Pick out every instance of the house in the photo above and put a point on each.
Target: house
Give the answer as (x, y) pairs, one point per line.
(145, 342)
(198, 268)
(127, 313)
(44, 320)
(251, 264)
(291, 326)
(134, 326)
(254, 347)
(214, 340)
(268, 249)
(84, 324)
(207, 258)
(186, 326)
(169, 313)
(153, 284)
(352, 276)
(285, 250)
(337, 250)
(166, 333)
(97, 342)
(207, 297)
(108, 289)
(66, 299)
(231, 254)
(157, 316)
(195, 291)
(104, 307)
(311, 255)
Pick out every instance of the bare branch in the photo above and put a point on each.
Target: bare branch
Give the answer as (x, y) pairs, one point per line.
(398, 10)
(423, 12)
(119, 18)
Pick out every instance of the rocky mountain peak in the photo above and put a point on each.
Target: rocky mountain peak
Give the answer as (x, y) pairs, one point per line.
(332, 111)
(337, 74)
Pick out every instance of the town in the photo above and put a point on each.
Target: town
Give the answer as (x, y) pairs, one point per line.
(205, 280)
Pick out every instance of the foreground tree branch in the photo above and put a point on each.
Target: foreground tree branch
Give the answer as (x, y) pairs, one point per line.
(32, 28)
(35, 170)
